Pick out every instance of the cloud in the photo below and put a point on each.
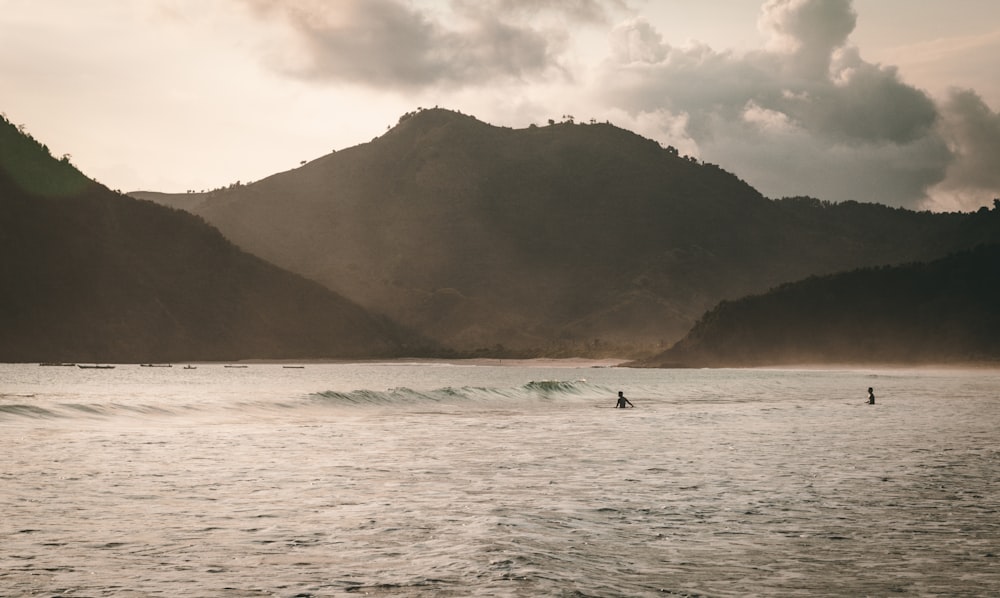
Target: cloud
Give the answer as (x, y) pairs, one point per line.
(807, 31)
(582, 11)
(394, 44)
(638, 42)
(806, 115)
(972, 131)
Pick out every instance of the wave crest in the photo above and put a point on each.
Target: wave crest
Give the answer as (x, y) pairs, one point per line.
(549, 390)
(530, 394)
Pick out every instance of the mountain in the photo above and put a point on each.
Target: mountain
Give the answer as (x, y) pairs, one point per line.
(567, 238)
(92, 275)
(947, 310)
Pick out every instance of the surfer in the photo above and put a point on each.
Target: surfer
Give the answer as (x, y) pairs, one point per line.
(871, 396)
(622, 401)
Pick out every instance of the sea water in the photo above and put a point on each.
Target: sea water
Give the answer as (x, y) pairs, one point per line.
(431, 479)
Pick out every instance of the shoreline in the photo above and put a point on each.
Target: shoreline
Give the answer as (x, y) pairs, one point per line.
(567, 362)
(561, 362)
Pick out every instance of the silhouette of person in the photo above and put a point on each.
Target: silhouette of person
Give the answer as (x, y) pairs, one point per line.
(871, 396)
(622, 401)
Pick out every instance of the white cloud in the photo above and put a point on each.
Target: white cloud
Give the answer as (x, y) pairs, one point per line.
(637, 42)
(767, 120)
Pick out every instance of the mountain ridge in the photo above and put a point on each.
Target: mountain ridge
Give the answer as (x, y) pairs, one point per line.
(549, 239)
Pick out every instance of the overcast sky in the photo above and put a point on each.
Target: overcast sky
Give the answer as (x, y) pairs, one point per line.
(889, 101)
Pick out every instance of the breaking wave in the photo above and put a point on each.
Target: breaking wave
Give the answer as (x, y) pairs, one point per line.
(545, 390)
(531, 394)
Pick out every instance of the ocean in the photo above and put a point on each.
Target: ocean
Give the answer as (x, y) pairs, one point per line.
(497, 479)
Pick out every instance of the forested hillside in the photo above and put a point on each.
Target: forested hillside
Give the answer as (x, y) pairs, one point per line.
(561, 239)
(91, 275)
(945, 311)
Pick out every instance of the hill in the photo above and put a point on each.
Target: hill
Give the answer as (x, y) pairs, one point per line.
(567, 238)
(92, 275)
(944, 311)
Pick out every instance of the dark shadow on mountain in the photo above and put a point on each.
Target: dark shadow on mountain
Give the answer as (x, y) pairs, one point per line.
(92, 275)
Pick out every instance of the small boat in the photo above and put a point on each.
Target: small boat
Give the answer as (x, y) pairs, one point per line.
(57, 364)
(235, 366)
(294, 367)
(190, 367)
(95, 367)
(156, 365)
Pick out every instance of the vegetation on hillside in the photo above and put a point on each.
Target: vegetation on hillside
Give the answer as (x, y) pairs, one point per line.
(92, 275)
(944, 311)
(552, 239)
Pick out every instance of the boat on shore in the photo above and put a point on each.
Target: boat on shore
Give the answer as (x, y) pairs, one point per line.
(57, 364)
(96, 366)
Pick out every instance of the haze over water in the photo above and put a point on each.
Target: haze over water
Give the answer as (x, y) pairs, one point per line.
(481, 480)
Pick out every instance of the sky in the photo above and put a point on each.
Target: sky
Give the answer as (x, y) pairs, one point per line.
(888, 101)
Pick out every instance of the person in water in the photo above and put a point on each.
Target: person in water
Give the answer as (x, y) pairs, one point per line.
(622, 401)
(871, 396)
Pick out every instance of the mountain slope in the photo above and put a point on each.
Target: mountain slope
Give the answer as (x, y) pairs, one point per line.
(568, 237)
(944, 311)
(91, 275)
